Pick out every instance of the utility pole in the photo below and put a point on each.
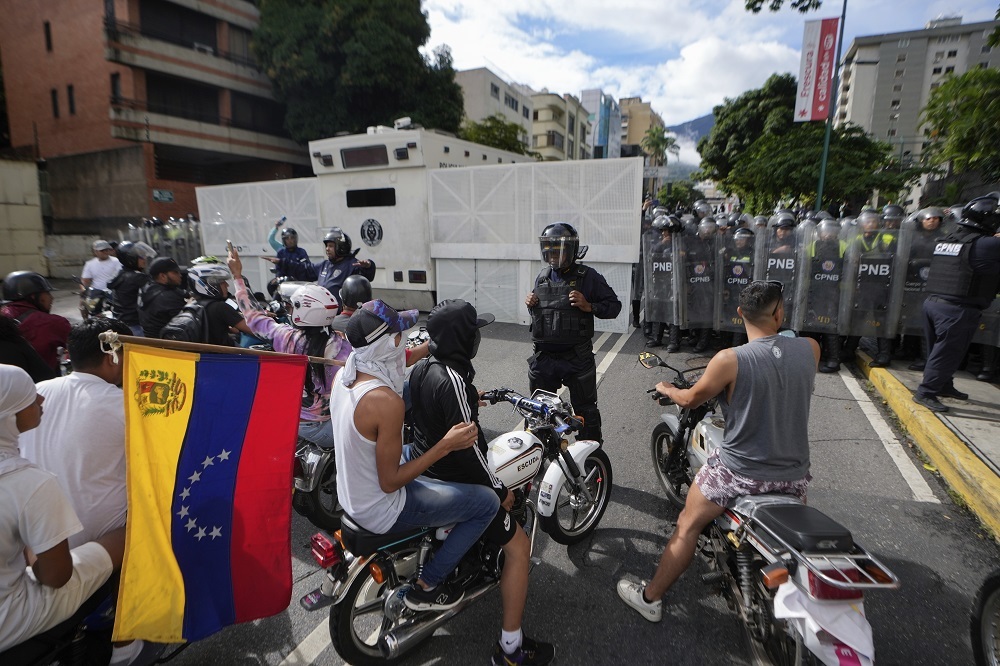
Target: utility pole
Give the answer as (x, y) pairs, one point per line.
(833, 108)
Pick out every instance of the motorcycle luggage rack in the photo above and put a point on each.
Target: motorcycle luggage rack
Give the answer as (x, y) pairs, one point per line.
(872, 573)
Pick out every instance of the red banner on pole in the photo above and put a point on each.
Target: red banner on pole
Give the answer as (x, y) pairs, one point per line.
(819, 54)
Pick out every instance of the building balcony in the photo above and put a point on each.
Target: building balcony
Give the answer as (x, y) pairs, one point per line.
(135, 120)
(146, 48)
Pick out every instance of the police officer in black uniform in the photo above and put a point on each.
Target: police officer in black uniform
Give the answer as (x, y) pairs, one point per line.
(826, 266)
(566, 298)
(964, 278)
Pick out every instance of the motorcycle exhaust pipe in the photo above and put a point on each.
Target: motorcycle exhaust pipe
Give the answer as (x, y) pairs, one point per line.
(396, 642)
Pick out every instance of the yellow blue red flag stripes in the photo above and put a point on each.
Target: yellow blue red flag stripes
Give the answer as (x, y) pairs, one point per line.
(210, 443)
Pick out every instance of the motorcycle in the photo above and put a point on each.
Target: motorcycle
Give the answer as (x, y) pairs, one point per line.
(795, 576)
(94, 302)
(985, 624)
(367, 574)
(316, 471)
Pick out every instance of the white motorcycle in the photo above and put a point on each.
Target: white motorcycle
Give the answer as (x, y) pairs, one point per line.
(794, 575)
(368, 574)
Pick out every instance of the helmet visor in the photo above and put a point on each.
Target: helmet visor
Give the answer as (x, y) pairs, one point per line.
(559, 252)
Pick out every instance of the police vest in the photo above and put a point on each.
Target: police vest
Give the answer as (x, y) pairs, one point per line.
(951, 271)
(554, 319)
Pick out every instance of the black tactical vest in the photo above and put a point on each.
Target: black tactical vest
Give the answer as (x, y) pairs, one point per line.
(951, 271)
(554, 319)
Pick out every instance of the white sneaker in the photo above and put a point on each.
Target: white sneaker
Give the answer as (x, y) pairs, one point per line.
(631, 593)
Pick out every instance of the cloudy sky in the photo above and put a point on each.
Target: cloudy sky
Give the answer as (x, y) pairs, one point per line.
(683, 56)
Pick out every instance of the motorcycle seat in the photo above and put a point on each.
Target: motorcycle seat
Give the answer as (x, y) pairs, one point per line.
(360, 541)
(805, 528)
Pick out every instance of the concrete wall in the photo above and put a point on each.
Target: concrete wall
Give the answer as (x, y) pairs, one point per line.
(21, 235)
(95, 190)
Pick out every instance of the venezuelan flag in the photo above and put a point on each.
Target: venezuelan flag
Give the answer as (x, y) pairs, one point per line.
(210, 444)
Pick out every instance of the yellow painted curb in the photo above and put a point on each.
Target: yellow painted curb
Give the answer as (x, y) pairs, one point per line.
(977, 484)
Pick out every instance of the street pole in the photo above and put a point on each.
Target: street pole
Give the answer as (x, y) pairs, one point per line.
(833, 108)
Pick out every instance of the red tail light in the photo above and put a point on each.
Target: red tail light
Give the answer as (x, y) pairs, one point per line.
(324, 551)
(823, 590)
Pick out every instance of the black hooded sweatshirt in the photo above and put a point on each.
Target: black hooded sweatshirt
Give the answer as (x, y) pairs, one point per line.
(443, 395)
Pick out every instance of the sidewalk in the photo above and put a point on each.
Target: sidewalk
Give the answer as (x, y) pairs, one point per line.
(962, 443)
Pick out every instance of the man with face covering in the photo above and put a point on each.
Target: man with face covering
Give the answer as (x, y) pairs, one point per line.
(443, 396)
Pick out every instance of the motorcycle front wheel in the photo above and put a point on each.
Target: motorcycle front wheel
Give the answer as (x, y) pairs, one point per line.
(357, 622)
(573, 519)
(320, 506)
(986, 622)
(660, 443)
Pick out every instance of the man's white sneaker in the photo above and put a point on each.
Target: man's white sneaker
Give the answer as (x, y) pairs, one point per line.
(631, 593)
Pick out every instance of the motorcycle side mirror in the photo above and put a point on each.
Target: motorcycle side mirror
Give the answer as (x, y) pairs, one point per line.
(649, 360)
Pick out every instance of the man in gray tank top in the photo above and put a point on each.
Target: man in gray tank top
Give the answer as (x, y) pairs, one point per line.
(765, 388)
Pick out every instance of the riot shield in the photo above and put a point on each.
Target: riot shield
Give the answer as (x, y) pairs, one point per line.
(695, 280)
(776, 258)
(658, 276)
(916, 245)
(733, 272)
(818, 299)
(872, 286)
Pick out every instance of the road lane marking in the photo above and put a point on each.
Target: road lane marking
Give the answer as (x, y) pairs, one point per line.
(918, 486)
(309, 650)
(612, 354)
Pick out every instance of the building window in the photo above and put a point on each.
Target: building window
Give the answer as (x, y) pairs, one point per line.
(898, 87)
(571, 125)
(893, 116)
(494, 90)
(894, 104)
(949, 70)
(984, 65)
(986, 48)
(901, 57)
(899, 73)
(534, 115)
(952, 54)
(934, 86)
(936, 70)
(525, 112)
(939, 56)
(70, 100)
(116, 87)
(48, 36)
(510, 102)
(891, 132)
(55, 102)
(570, 149)
(903, 43)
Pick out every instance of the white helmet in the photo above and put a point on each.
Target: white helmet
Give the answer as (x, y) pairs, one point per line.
(206, 278)
(313, 305)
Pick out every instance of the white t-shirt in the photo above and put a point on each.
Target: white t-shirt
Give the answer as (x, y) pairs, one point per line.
(34, 513)
(101, 272)
(81, 440)
(358, 489)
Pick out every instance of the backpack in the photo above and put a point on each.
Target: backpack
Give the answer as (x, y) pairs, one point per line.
(188, 325)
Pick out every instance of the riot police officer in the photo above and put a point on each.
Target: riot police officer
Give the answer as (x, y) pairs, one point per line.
(820, 314)
(566, 298)
(735, 271)
(922, 234)
(871, 273)
(660, 311)
(698, 293)
(963, 281)
(892, 217)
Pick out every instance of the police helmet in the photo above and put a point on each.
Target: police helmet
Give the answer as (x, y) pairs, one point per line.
(341, 242)
(660, 210)
(560, 245)
(760, 221)
(783, 220)
(982, 213)
(707, 228)
(742, 235)
(828, 229)
(22, 285)
(129, 254)
(205, 279)
(824, 215)
(355, 291)
(869, 220)
(893, 212)
(702, 209)
(930, 211)
(669, 223)
(288, 232)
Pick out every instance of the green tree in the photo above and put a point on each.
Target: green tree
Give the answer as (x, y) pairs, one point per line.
(342, 65)
(495, 131)
(657, 143)
(740, 122)
(963, 118)
(682, 193)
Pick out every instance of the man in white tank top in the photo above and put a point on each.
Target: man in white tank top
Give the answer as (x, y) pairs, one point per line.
(762, 309)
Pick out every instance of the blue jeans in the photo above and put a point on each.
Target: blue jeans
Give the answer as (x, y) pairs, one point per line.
(319, 433)
(430, 502)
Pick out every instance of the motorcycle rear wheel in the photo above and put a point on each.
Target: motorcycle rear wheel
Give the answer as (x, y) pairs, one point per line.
(358, 620)
(568, 525)
(320, 505)
(660, 443)
(985, 624)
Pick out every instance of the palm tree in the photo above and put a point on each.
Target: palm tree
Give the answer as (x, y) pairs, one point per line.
(656, 144)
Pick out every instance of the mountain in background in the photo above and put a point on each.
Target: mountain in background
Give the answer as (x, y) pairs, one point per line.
(694, 129)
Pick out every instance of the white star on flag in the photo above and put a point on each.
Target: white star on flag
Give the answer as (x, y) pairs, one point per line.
(216, 532)
(183, 512)
(195, 477)
(207, 461)
(185, 493)
(191, 524)
(201, 534)
(224, 455)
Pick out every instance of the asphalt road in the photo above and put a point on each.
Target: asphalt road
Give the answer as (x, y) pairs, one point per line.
(936, 549)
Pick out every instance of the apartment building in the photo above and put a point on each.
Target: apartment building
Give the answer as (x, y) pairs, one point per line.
(560, 127)
(637, 118)
(605, 122)
(887, 79)
(486, 95)
(134, 103)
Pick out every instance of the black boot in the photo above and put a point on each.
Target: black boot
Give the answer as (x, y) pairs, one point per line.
(849, 349)
(989, 371)
(635, 313)
(702, 340)
(884, 355)
(655, 337)
(921, 360)
(831, 347)
(673, 339)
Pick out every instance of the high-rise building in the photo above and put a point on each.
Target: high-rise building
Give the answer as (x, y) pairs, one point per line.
(486, 94)
(637, 118)
(887, 79)
(605, 123)
(135, 103)
(560, 127)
